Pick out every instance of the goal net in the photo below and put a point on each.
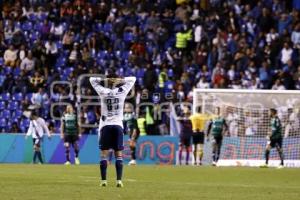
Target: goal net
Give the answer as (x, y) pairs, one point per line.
(247, 115)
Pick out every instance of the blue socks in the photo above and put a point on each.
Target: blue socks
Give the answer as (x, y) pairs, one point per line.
(34, 156)
(119, 168)
(37, 154)
(103, 169)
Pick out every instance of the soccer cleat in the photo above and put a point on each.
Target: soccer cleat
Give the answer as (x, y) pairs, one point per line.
(214, 163)
(77, 161)
(67, 163)
(264, 166)
(280, 167)
(103, 183)
(132, 162)
(119, 183)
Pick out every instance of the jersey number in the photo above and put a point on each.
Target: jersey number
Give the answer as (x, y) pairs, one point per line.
(112, 104)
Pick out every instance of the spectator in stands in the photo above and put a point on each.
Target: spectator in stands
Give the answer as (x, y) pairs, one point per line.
(51, 52)
(27, 63)
(39, 99)
(10, 56)
(236, 44)
(278, 85)
(15, 128)
(68, 40)
(57, 30)
(286, 53)
(150, 78)
(37, 80)
(9, 30)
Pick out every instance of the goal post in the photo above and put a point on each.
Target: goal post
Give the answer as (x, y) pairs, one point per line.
(248, 118)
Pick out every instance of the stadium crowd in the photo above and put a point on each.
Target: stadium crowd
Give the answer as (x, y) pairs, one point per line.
(170, 46)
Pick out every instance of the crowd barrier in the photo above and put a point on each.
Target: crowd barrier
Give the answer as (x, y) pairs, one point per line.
(248, 151)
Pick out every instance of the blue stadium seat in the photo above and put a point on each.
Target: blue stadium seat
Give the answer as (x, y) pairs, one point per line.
(13, 105)
(34, 36)
(18, 96)
(27, 26)
(5, 96)
(28, 96)
(18, 25)
(128, 37)
(32, 17)
(1, 61)
(2, 105)
(38, 26)
(17, 114)
(68, 71)
(141, 81)
(25, 123)
(140, 73)
(102, 54)
(43, 16)
(16, 71)
(107, 27)
(157, 71)
(170, 73)
(7, 70)
(6, 114)
(91, 117)
(3, 123)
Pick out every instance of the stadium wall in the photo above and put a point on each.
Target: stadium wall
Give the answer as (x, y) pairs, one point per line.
(14, 148)
(236, 151)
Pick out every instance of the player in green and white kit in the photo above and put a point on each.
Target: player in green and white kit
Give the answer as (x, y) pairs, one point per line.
(274, 138)
(70, 133)
(131, 128)
(216, 127)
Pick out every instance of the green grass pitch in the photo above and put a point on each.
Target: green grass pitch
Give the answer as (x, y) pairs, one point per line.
(57, 182)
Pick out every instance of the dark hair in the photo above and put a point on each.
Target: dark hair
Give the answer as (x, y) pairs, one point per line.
(273, 110)
(112, 73)
(34, 113)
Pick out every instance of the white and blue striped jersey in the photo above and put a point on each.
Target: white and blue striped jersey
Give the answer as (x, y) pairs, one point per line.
(37, 128)
(112, 100)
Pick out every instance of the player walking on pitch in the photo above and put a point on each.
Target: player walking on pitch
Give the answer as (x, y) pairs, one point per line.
(275, 138)
(111, 121)
(70, 133)
(131, 128)
(37, 128)
(217, 126)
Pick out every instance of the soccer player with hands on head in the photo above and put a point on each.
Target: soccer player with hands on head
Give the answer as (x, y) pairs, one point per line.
(111, 130)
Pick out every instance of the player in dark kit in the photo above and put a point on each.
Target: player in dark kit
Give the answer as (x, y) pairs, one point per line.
(217, 126)
(131, 128)
(275, 138)
(186, 131)
(70, 133)
(111, 128)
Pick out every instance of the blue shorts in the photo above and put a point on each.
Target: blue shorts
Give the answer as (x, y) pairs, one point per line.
(111, 137)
